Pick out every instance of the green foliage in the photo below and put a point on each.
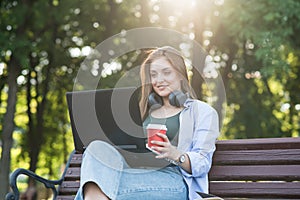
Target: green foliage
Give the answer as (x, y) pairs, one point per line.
(260, 37)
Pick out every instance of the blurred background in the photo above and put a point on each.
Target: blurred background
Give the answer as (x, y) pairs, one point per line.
(255, 45)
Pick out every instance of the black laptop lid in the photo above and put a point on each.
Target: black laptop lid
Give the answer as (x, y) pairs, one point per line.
(111, 115)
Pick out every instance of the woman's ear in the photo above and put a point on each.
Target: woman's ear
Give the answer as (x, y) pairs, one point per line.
(177, 98)
(154, 101)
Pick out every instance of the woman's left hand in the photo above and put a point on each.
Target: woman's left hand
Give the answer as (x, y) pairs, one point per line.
(166, 149)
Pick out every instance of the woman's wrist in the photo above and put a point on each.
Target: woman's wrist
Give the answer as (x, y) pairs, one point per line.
(177, 155)
(184, 162)
(181, 158)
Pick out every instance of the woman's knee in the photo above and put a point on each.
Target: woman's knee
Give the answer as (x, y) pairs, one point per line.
(100, 146)
(92, 191)
(104, 152)
(97, 144)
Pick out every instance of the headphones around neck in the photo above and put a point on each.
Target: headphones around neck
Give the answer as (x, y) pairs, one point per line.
(176, 98)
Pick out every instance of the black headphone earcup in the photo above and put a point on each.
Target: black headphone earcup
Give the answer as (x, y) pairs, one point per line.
(177, 98)
(154, 101)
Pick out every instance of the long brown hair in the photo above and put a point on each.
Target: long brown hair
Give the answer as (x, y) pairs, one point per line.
(176, 60)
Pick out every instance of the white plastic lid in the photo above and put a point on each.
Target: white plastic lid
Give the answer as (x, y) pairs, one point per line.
(157, 126)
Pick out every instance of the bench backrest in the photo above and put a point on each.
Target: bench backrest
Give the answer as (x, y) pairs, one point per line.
(257, 168)
(260, 168)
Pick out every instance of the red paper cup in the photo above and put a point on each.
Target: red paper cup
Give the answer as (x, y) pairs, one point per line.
(152, 130)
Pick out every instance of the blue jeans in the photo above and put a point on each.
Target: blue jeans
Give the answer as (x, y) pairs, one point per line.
(105, 166)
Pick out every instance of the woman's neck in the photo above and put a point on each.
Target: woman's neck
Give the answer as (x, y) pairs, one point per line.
(166, 111)
(166, 102)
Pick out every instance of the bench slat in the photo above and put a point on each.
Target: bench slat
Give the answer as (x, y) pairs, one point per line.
(65, 197)
(261, 143)
(68, 191)
(257, 157)
(70, 184)
(69, 187)
(73, 173)
(76, 160)
(255, 173)
(256, 189)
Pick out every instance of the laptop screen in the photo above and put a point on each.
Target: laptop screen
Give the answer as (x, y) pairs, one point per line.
(111, 115)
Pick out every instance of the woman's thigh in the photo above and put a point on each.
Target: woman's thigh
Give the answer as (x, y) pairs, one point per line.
(160, 184)
(104, 166)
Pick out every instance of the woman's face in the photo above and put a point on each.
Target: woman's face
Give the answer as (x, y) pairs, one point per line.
(164, 78)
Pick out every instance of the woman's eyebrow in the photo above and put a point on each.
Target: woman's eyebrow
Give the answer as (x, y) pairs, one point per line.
(166, 69)
(163, 70)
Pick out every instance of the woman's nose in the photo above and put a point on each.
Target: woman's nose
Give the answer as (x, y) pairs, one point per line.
(160, 78)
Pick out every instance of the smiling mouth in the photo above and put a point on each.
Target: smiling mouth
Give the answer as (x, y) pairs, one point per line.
(162, 86)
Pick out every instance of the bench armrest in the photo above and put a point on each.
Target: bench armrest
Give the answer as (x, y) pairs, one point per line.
(14, 195)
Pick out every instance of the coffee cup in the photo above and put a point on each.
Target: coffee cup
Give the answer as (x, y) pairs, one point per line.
(152, 130)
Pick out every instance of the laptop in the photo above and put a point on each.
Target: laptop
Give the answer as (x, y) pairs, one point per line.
(113, 116)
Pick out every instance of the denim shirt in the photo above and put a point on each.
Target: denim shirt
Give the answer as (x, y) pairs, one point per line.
(199, 129)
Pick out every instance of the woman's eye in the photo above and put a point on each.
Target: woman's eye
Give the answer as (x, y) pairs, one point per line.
(153, 75)
(167, 72)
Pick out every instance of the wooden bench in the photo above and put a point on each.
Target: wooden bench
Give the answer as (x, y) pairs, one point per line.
(244, 168)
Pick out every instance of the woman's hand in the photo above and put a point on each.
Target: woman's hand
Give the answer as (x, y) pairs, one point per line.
(166, 149)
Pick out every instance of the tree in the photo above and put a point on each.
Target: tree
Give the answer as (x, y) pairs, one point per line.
(48, 64)
(18, 51)
(256, 38)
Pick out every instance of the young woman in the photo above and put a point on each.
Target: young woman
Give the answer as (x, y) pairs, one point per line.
(192, 129)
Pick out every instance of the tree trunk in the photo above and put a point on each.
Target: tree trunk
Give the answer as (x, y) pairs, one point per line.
(8, 126)
(145, 13)
(110, 22)
(35, 133)
(3, 81)
(36, 126)
(197, 58)
(14, 69)
(31, 192)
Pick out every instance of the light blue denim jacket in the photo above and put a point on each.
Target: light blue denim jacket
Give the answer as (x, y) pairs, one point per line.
(199, 129)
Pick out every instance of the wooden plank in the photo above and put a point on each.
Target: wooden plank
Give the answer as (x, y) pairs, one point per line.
(69, 187)
(256, 189)
(73, 173)
(261, 143)
(76, 160)
(68, 191)
(255, 173)
(70, 197)
(70, 184)
(257, 157)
